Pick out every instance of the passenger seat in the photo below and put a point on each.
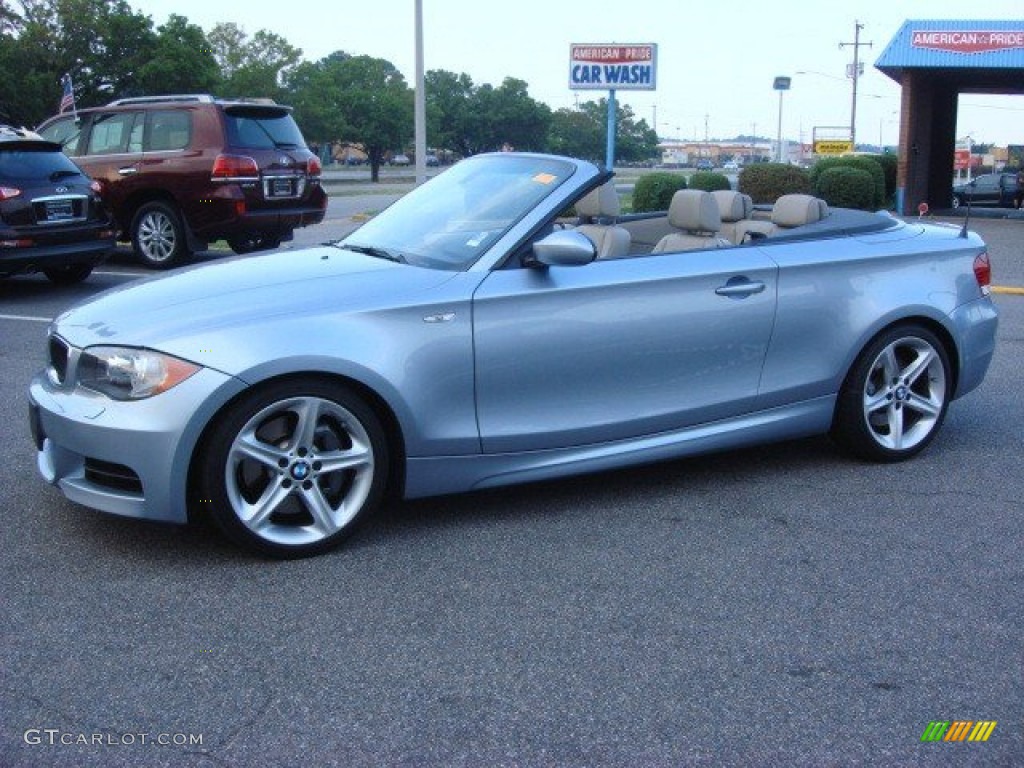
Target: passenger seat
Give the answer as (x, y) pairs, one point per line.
(694, 212)
(733, 207)
(789, 212)
(610, 241)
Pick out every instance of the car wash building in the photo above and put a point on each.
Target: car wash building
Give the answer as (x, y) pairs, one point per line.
(934, 62)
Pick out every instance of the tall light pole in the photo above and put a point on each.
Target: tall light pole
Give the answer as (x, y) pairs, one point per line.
(781, 85)
(420, 103)
(854, 76)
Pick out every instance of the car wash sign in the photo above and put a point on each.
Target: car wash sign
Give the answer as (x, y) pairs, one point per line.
(613, 66)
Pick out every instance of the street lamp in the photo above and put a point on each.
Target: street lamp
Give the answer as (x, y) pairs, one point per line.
(781, 85)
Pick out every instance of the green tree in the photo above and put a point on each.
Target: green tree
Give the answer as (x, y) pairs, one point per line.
(582, 133)
(365, 97)
(103, 44)
(256, 66)
(505, 115)
(447, 99)
(182, 62)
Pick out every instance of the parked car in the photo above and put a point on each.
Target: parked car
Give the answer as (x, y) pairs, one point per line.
(52, 219)
(705, 165)
(732, 165)
(400, 160)
(988, 189)
(463, 339)
(181, 171)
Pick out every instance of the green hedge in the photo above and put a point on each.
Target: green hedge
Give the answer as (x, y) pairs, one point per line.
(889, 163)
(846, 187)
(709, 181)
(767, 182)
(864, 163)
(653, 191)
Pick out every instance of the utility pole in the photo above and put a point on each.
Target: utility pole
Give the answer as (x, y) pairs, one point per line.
(854, 75)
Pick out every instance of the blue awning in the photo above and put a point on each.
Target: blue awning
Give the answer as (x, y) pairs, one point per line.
(954, 44)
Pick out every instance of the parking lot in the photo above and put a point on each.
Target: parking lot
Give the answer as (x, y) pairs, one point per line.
(778, 606)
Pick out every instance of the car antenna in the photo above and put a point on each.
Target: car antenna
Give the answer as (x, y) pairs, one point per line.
(967, 216)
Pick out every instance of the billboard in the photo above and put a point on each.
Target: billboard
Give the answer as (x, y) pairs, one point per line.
(613, 66)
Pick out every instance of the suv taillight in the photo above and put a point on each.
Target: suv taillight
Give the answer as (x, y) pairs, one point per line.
(235, 167)
(6, 193)
(313, 167)
(983, 272)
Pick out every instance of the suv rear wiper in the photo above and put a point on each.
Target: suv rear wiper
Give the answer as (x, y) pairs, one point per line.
(369, 250)
(63, 174)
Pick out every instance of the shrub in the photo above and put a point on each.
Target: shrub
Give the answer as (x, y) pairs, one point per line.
(709, 181)
(846, 187)
(653, 191)
(767, 182)
(889, 163)
(869, 164)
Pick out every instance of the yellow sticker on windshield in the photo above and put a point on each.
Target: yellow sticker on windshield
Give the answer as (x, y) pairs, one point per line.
(544, 178)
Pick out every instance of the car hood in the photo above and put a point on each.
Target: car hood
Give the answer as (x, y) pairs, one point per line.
(242, 291)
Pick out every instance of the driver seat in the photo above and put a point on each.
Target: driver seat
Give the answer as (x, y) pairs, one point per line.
(610, 241)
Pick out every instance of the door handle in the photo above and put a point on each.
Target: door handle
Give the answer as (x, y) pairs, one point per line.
(127, 171)
(740, 289)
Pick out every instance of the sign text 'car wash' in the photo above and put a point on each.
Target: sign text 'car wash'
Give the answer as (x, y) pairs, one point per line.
(598, 66)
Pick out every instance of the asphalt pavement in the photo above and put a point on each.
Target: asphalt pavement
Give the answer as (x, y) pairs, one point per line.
(782, 606)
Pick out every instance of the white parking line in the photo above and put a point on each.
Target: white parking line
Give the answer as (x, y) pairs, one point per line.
(32, 318)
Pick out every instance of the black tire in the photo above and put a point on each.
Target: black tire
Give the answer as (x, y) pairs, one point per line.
(895, 396)
(264, 472)
(69, 274)
(158, 235)
(252, 242)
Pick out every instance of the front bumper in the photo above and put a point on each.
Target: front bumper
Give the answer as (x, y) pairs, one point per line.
(126, 458)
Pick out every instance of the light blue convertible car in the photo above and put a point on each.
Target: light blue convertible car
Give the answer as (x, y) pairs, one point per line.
(473, 335)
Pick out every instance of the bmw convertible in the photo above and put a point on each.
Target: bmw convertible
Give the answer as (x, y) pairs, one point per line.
(504, 324)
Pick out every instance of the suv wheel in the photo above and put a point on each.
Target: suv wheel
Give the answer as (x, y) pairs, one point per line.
(158, 235)
(254, 241)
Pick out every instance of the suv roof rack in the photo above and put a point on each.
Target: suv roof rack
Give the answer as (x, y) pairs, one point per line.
(201, 98)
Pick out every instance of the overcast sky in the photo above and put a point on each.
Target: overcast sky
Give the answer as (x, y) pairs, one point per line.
(716, 60)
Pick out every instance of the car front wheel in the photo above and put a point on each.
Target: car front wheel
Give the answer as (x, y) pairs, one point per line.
(292, 468)
(158, 235)
(895, 397)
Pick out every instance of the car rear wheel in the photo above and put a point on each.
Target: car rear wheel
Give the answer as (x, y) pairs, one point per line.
(293, 468)
(68, 274)
(895, 397)
(158, 235)
(956, 201)
(253, 242)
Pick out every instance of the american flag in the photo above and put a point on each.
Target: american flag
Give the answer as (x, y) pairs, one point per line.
(67, 99)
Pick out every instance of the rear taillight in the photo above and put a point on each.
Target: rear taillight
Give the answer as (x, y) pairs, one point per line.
(6, 193)
(313, 167)
(983, 272)
(235, 167)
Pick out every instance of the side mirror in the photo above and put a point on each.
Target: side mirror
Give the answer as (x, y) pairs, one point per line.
(564, 248)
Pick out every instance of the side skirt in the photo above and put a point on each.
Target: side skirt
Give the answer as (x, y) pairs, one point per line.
(432, 476)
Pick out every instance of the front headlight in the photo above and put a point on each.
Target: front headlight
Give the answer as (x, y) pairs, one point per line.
(123, 373)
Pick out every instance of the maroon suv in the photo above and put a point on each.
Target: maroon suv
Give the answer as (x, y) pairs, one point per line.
(181, 171)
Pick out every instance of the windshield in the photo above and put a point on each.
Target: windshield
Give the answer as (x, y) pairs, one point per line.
(35, 162)
(451, 221)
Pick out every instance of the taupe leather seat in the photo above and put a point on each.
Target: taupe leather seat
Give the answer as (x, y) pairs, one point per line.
(733, 207)
(610, 241)
(789, 211)
(695, 214)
